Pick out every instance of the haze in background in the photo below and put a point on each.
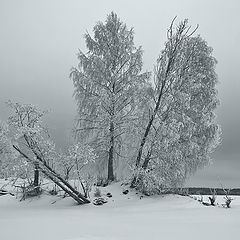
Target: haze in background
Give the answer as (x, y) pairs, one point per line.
(39, 41)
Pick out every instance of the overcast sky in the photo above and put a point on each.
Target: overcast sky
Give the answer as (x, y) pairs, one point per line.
(39, 41)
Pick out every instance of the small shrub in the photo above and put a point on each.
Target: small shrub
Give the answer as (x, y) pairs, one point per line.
(101, 182)
(228, 201)
(147, 183)
(212, 199)
(97, 192)
(200, 199)
(30, 191)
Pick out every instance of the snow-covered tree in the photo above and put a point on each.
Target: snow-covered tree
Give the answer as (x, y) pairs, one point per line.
(25, 125)
(82, 156)
(181, 132)
(64, 165)
(78, 163)
(107, 81)
(4, 143)
(5, 148)
(31, 141)
(11, 164)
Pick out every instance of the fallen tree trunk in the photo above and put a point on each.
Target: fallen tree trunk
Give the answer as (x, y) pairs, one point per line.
(78, 198)
(56, 178)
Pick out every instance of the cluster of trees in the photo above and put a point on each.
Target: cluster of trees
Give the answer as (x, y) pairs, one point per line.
(156, 128)
(162, 123)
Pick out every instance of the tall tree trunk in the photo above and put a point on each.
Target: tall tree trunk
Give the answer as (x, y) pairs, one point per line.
(147, 159)
(153, 114)
(147, 131)
(134, 181)
(36, 178)
(145, 138)
(111, 153)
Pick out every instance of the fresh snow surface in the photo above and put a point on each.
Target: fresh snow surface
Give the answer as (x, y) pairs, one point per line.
(124, 217)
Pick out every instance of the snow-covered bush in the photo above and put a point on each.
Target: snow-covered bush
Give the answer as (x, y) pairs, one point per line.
(80, 163)
(147, 182)
(97, 192)
(228, 201)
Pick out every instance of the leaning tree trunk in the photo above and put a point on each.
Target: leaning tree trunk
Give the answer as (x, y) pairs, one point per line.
(148, 129)
(76, 196)
(153, 116)
(144, 139)
(110, 154)
(56, 178)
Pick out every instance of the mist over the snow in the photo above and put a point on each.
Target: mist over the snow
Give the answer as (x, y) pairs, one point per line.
(39, 41)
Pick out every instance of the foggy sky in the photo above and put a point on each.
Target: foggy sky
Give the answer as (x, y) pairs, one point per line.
(39, 41)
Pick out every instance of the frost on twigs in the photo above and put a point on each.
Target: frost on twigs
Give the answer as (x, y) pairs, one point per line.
(97, 192)
(108, 84)
(82, 157)
(227, 199)
(147, 182)
(180, 130)
(32, 143)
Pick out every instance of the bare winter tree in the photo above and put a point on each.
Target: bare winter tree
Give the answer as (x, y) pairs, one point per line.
(107, 81)
(181, 131)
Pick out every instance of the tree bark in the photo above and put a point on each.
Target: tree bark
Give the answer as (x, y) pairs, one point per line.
(111, 153)
(155, 111)
(36, 178)
(144, 140)
(149, 128)
(146, 160)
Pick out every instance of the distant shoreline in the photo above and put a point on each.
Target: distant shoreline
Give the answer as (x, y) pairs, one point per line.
(208, 191)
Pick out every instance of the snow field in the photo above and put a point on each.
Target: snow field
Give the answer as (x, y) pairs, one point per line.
(124, 217)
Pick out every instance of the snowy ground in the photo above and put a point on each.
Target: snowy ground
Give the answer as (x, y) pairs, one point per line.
(124, 217)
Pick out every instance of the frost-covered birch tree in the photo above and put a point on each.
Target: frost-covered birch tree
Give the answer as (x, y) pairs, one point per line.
(107, 81)
(181, 131)
(30, 140)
